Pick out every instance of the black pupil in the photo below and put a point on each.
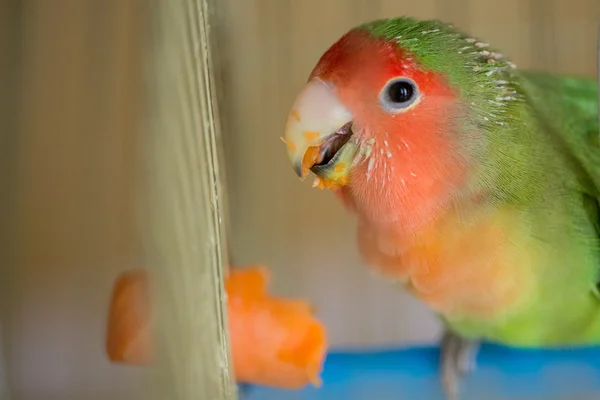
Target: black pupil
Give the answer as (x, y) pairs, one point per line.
(400, 92)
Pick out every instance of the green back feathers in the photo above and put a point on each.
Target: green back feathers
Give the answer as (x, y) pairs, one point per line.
(568, 108)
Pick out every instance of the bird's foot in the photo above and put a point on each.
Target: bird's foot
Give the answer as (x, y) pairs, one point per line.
(457, 359)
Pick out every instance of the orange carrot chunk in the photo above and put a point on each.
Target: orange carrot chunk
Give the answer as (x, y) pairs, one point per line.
(128, 339)
(274, 341)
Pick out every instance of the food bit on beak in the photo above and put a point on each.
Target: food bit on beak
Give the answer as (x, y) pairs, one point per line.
(311, 157)
(317, 127)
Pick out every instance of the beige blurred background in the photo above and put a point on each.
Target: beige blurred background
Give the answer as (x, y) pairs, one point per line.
(69, 208)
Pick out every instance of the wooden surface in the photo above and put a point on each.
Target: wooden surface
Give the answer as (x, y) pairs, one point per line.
(8, 29)
(185, 238)
(302, 234)
(68, 174)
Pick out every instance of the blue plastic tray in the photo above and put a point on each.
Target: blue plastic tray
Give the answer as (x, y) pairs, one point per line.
(412, 373)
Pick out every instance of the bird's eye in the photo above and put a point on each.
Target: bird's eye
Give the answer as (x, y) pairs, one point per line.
(398, 93)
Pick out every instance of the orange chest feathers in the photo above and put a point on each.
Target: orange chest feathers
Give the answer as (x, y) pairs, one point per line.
(477, 267)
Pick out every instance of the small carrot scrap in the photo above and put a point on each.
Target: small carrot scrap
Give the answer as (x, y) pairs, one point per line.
(310, 158)
(274, 341)
(128, 338)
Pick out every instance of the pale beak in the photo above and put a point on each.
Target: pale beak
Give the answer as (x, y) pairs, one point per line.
(317, 128)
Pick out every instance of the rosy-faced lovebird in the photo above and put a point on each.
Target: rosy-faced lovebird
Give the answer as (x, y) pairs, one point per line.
(475, 184)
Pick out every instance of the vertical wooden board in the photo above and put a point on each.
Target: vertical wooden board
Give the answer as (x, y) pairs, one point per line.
(240, 68)
(5, 391)
(366, 10)
(9, 72)
(457, 12)
(425, 9)
(72, 226)
(505, 25)
(252, 98)
(576, 25)
(184, 236)
(542, 34)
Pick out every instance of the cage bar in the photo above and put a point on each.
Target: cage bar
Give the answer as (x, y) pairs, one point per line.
(186, 246)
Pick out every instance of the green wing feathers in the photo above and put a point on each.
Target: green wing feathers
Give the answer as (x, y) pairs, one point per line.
(567, 107)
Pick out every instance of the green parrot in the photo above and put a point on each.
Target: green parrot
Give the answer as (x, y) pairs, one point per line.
(475, 184)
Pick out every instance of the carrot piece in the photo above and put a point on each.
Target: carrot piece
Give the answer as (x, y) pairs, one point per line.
(251, 281)
(128, 337)
(310, 158)
(274, 341)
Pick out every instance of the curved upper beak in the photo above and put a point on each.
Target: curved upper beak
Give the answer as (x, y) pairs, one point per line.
(316, 121)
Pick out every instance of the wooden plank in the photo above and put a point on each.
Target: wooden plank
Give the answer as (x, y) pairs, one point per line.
(543, 33)
(9, 26)
(573, 43)
(184, 242)
(423, 9)
(505, 25)
(74, 109)
(457, 12)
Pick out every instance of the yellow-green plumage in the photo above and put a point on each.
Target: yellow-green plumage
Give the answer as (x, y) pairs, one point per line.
(559, 191)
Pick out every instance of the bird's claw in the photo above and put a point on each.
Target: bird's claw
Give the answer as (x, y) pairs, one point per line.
(457, 359)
